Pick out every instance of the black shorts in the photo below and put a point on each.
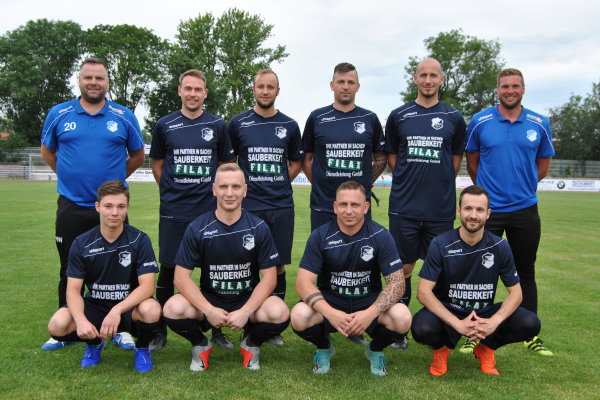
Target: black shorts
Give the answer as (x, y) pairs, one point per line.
(281, 223)
(96, 310)
(170, 234)
(227, 303)
(413, 236)
(350, 305)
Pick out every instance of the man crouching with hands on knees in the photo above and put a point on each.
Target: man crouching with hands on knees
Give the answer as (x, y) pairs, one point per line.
(117, 264)
(457, 286)
(345, 258)
(231, 247)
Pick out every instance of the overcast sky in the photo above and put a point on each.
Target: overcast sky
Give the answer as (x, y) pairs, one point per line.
(555, 44)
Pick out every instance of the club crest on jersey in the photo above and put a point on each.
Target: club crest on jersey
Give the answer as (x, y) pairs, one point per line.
(125, 258)
(280, 131)
(531, 135)
(207, 134)
(359, 127)
(366, 253)
(112, 126)
(487, 260)
(248, 242)
(437, 123)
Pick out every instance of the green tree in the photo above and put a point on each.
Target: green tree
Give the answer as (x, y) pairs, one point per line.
(131, 54)
(576, 127)
(37, 61)
(470, 66)
(229, 50)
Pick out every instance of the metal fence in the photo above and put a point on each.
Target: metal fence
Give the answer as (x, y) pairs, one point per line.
(22, 163)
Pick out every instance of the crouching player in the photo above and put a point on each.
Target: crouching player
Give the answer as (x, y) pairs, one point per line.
(345, 258)
(231, 247)
(457, 286)
(117, 264)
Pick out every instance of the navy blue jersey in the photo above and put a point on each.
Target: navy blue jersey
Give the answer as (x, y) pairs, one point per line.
(192, 150)
(425, 141)
(230, 256)
(90, 149)
(343, 144)
(110, 270)
(264, 146)
(468, 275)
(350, 266)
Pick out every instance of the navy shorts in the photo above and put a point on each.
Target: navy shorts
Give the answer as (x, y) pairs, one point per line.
(227, 303)
(219, 301)
(281, 224)
(170, 234)
(349, 306)
(96, 310)
(413, 236)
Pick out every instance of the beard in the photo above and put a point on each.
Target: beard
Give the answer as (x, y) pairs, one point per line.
(511, 106)
(477, 227)
(265, 106)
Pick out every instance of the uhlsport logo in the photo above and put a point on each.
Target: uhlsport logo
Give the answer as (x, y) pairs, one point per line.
(359, 127)
(280, 131)
(207, 134)
(366, 253)
(531, 135)
(487, 260)
(112, 126)
(437, 123)
(248, 242)
(125, 258)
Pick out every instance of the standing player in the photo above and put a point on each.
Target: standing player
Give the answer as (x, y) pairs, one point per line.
(268, 145)
(341, 142)
(458, 285)
(231, 247)
(85, 141)
(187, 147)
(117, 264)
(509, 148)
(424, 142)
(345, 258)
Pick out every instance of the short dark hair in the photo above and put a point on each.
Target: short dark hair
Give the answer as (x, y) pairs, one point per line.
(94, 61)
(510, 72)
(112, 187)
(475, 190)
(344, 67)
(265, 72)
(195, 73)
(351, 185)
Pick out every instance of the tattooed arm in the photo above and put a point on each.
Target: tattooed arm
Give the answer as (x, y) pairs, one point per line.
(392, 292)
(379, 164)
(389, 296)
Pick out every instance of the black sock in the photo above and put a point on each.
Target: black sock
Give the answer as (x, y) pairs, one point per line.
(280, 287)
(189, 329)
(407, 292)
(316, 335)
(383, 337)
(146, 332)
(70, 337)
(261, 331)
(164, 283)
(94, 342)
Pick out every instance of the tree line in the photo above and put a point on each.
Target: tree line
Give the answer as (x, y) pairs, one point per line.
(38, 60)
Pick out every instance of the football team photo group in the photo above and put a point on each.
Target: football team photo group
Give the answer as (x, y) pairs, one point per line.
(227, 216)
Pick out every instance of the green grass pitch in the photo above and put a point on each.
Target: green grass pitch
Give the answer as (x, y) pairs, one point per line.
(567, 273)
